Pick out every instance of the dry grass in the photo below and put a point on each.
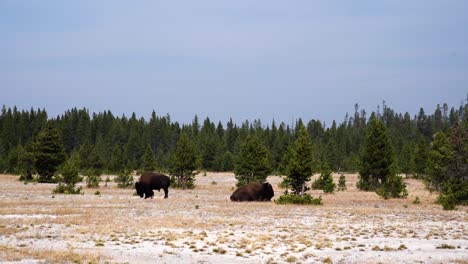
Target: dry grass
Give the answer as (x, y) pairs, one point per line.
(116, 223)
(49, 256)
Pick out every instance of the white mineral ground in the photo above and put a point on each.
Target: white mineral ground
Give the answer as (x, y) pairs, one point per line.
(203, 226)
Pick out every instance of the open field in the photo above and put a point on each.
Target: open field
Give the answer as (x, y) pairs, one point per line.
(203, 226)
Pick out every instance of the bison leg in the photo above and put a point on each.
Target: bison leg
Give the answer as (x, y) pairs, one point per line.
(166, 191)
(149, 193)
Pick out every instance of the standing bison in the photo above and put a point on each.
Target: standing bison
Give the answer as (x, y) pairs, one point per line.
(150, 181)
(253, 192)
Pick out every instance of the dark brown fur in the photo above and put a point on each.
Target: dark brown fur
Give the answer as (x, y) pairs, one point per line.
(253, 192)
(150, 181)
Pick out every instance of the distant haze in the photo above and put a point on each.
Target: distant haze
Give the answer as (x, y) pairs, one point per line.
(242, 59)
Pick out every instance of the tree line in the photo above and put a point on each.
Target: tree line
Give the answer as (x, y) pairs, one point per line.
(109, 143)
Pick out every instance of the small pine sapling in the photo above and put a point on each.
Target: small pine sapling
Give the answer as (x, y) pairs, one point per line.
(342, 183)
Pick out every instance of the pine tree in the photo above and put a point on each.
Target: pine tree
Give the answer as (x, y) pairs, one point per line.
(12, 159)
(377, 170)
(300, 163)
(325, 181)
(406, 159)
(96, 164)
(342, 183)
(421, 157)
(84, 156)
(26, 162)
(448, 169)
(117, 163)
(184, 162)
(208, 144)
(148, 161)
(440, 157)
(227, 162)
(49, 153)
(252, 164)
(68, 178)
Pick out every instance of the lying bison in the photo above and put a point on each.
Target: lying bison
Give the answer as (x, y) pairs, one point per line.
(253, 192)
(150, 181)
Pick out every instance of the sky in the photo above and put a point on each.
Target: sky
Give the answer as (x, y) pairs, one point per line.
(246, 59)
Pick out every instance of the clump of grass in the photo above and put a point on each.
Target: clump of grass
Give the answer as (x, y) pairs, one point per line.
(291, 259)
(327, 260)
(197, 206)
(296, 199)
(402, 247)
(99, 243)
(416, 200)
(214, 183)
(97, 192)
(387, 248)
(376, 248)
(445, 246)
(219, 250)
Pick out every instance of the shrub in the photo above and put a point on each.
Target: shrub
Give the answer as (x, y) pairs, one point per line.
(92, 180)
(107, 181)
(325, 181)
(416, 200)
(454, 192)
(124, 179)
(67, 189)
(447, 201)
(284, 184)
(296, 199)
(394, 187)
(68, 177)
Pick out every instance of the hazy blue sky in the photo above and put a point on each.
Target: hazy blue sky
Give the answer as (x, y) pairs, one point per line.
(241, 59)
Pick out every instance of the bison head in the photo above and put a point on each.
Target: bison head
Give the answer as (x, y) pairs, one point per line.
(267, 191)
(139, 189)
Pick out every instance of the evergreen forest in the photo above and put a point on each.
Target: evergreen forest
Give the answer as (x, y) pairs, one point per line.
(111, 144)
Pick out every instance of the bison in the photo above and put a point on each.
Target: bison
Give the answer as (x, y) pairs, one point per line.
(253, 192)
(150, 181)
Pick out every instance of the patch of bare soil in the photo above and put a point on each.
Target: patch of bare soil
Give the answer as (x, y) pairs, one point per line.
(203, 226)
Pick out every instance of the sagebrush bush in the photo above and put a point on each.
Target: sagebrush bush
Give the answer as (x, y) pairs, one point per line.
(124, 180)
(92, 180)
(67, 189)
(296, 199)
